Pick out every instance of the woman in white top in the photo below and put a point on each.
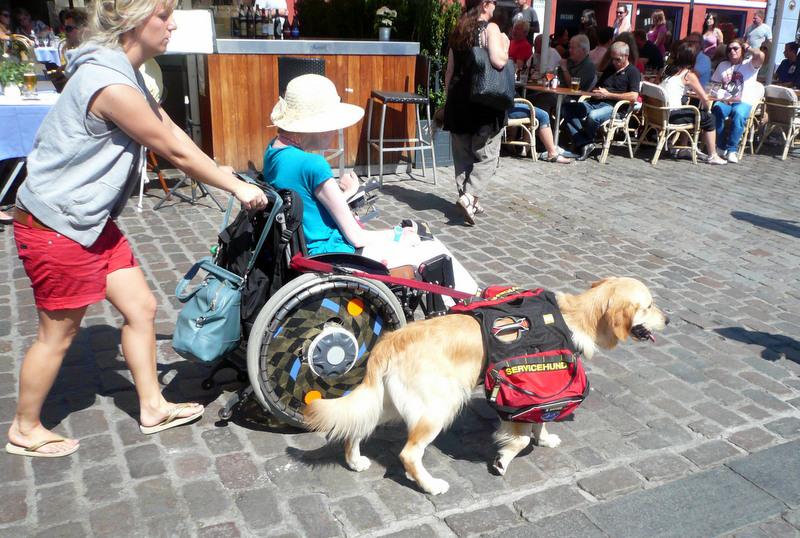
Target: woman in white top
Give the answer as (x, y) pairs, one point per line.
(740, 92)
(679, 75)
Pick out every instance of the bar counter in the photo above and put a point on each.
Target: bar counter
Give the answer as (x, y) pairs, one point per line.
(239, 87)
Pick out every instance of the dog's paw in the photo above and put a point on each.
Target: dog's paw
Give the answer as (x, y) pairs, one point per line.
(549, 440)
(498, 467)
(361, 463)
(437, 486)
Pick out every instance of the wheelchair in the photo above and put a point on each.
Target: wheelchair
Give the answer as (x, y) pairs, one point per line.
(310, 322)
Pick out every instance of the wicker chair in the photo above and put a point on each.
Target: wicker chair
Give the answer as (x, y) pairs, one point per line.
(618, 123)
(750, 128)
(655, 113)
(522, 116)
(783, 113)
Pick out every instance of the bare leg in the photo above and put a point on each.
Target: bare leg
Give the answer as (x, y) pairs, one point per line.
(352, 454)
(40, 367)
(710, 140)
(512, 437)
(127, 290)
(545, 134)
(543, 438)
(420, 435)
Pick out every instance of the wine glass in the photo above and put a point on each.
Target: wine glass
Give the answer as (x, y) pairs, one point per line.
(549, 75)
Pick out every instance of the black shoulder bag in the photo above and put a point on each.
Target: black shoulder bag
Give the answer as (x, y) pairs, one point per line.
(490, 87)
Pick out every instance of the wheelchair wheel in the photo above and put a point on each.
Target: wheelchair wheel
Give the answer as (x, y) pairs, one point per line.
(312, 340)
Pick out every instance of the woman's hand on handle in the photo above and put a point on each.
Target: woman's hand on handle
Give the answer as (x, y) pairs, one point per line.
(251, 196)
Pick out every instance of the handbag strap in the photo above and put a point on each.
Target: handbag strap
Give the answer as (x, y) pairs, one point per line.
(208, 265)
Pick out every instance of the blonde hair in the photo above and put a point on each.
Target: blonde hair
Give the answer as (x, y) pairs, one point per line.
(110, 19)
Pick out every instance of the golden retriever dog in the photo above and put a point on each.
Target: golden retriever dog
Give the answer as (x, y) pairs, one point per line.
(424, 374)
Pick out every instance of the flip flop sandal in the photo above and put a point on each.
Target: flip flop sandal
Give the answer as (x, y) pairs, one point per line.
(33, 450)
(172, 420)
(464, 203)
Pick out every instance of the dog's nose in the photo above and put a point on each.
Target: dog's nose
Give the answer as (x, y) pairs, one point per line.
(666, 320)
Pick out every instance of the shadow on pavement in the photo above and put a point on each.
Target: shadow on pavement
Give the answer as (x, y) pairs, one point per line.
(775, 346)
(424, 201)
(788, 227)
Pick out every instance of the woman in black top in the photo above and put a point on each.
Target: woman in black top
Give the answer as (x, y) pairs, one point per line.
(475, 130)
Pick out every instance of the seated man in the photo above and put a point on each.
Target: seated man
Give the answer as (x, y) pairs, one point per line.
(307, 120)
(578, 64)
(702, 63)
(584, 118)
(788, 71)
(737, 96)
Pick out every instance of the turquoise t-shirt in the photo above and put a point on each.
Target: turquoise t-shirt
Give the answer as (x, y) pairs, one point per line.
(293, 168)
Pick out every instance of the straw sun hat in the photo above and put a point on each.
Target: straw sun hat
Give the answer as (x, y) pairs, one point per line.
(311, 105)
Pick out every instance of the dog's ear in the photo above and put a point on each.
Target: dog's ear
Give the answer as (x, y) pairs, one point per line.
(622, 320)
(601, 282)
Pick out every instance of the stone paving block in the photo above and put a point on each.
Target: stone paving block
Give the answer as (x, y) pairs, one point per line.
(586, 457)
(751, 439)
(792, 517)
(358, 513)
(144, 461)
(12, 469)
(672, 510)
(719, 414)
(766, 400)
(156, 497)
(610, 483)
(206, 499)
(786, 427)
(662, 467)
(168, 527)
(706, 428)
(549, 502)
(87, 422)
(768, 384)
(680, 391)
(51, 470)
(237, 471)
(671, 407)
(482, 521)
(401, 500)
(109, 519)
(476, 472)
(178, 439)
(768, 468)
(571, 523)
(192, 465)
(221, 440)
(754, 412)
(423, 531)
(323, 524)
(259, 507)
(710, 453)
(56, 504)
(13, 505)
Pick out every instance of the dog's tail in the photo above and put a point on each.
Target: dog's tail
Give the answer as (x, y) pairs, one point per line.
(357, 414)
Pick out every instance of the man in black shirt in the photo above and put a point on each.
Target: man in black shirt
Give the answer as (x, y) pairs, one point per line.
(648, 52)
(583, 119)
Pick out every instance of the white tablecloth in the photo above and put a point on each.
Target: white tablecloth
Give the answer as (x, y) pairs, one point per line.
(48, 54)
(19, 121)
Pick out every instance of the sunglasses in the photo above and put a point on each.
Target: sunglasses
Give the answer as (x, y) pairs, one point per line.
(69, 28)
(734, 48)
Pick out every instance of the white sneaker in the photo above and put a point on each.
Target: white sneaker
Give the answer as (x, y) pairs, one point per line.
(716, 159)
(732, 158)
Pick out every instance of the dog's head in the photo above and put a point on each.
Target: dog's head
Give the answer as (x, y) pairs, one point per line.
(626, 309)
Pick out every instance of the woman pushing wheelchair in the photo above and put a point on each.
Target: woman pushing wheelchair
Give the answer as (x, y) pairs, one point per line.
(308, 118)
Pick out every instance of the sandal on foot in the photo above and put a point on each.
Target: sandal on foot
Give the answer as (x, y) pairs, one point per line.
(464, 203)
(557, 158)
(172, 420)
(33, 450)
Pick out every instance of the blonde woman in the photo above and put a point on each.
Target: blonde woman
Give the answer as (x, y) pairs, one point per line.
(658, 31)
(85, 164)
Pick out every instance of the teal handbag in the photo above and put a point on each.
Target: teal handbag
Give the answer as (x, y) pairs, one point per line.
(209, 325)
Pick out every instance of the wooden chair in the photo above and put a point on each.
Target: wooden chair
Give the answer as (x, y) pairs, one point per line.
(782, 111)
(655, 114)
(522, 116)
(618, 123)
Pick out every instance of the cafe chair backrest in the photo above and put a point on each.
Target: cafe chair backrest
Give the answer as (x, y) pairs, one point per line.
(781, 104)
(654, 100)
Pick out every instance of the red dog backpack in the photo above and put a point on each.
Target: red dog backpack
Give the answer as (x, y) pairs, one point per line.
(533, 373)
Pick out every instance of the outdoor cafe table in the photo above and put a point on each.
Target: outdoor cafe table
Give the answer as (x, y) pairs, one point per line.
(560, 93)
(48, 55)
(19, 121)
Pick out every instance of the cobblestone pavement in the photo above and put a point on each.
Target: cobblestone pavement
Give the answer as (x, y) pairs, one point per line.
(696, 435)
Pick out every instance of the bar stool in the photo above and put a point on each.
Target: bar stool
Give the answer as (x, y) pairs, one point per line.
(384, 99)
(290, 67)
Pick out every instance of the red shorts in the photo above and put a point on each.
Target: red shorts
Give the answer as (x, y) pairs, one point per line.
(66, 275)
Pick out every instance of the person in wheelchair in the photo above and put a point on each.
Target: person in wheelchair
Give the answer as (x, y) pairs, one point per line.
(308, 118)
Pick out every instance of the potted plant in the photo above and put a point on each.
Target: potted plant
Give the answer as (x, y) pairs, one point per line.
(12, 75)
(384, 20)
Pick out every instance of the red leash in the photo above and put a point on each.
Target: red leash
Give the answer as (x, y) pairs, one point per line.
(302, 264)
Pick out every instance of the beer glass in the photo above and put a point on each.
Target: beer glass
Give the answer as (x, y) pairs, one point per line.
(575, 84)
(29, 87)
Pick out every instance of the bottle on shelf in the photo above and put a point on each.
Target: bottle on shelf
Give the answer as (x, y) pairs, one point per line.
(242, 22)
(278, 28)
(266, 24)
(234, 23)
(287, 29)
(257, 23)
(251, 23)
(296, 28)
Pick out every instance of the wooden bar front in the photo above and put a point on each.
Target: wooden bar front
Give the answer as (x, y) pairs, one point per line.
(241, 90)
